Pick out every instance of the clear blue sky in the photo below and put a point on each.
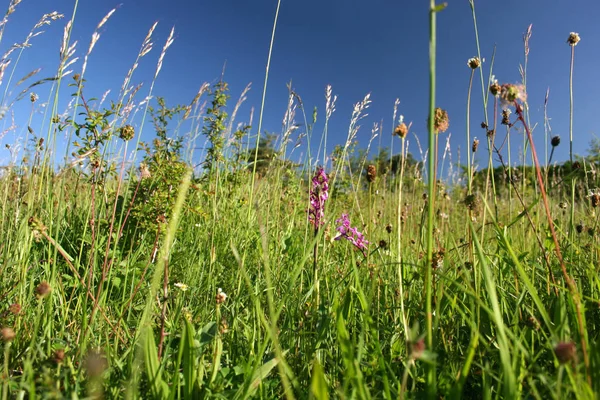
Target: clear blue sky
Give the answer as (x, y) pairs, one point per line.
(358, 46)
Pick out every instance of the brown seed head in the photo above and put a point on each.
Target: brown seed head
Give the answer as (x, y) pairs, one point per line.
(7, 334)
(506, 116)
(221, 296)
(555, 141)
(573, 39)
(441, 121)
(595, 199)
(43, 289)
(565, 352)
(126, 132)
(475, 145)
(388, 228)
(474, 62)
(144, 171)
(15, 309)
(401, 130)
(59, 356)
(371, 173)
(417, 349)
(495, 89)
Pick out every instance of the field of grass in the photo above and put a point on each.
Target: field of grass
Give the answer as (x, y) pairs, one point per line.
(259, 274)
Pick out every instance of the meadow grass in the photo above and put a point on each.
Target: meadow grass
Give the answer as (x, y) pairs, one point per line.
(262, 274)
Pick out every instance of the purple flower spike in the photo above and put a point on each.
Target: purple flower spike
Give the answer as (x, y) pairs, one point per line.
(350, 233)
(318, 196)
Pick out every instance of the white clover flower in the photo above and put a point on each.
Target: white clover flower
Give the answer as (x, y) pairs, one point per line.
(182, 286)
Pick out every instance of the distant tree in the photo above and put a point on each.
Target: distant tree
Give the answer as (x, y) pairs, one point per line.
(265, 156)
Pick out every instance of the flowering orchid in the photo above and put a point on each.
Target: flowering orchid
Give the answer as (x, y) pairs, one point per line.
(350, 233)
(318, 196)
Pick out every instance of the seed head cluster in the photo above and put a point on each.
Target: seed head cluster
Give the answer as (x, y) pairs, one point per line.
(441, 121)
(474, 62)
(573, 39)
(401, 130)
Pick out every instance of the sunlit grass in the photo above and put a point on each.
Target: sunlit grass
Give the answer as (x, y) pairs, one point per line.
(256, 274)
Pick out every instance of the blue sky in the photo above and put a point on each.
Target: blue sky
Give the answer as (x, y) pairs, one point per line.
(357, 46)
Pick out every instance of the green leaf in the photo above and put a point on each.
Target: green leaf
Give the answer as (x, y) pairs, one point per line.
(158, 387)
(261, 373)
(189, 360)
(318, 385)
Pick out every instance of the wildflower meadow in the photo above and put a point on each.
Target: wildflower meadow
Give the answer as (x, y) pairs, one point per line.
(156, 250)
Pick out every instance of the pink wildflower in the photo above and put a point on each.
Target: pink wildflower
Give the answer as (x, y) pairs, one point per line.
(318, 196)
(351, 234)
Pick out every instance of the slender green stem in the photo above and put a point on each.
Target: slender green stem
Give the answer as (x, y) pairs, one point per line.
(468, 148)
(572, 217)
(262, 104)
(431, 368)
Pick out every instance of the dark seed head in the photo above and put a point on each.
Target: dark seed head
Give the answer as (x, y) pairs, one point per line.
(43, 289)
(371, 173)
(565, 352)
(7, 334)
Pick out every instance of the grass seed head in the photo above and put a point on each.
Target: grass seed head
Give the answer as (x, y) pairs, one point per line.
(401, 130)
(565, 352)
(573, 39)
(371, 173)
(555, 141)
(441, 121)
(59, 356)
(7, 334)
(43, 289)
(14, 309)
(221, 296)
(495, 88)
(474, 62)
(506, 116)
(126, 132)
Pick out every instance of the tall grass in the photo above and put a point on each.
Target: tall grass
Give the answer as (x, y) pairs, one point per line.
(143, 277)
